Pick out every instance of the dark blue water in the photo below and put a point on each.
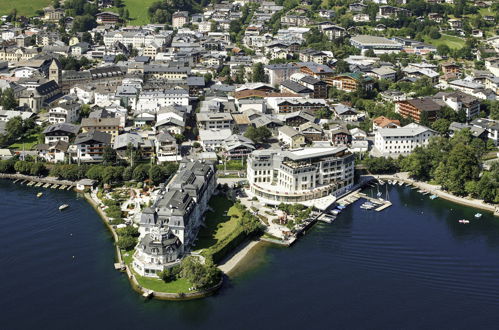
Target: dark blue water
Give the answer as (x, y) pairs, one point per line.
(412, 266)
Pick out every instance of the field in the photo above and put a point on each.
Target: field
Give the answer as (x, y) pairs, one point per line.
(137, 10)
(29, 143)
(219, 224)
(24, 7)
(451, 41)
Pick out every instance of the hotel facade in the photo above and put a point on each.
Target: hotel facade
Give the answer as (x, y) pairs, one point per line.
(294, 176)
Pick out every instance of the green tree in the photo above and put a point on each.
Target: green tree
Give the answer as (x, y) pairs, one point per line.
(8, 100)
(441, 126)
(258, 73)
(109, 155)
(126, 242)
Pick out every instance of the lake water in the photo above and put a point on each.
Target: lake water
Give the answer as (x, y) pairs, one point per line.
(411, 266)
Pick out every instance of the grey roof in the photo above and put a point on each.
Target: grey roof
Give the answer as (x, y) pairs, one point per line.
(123, 140)
(93, 136)
(62, 127)
(296, 87)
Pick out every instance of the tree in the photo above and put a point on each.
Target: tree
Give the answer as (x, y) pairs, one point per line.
(169, 274)
(370, 53)
(141, 173)
(198, 274)
(157, 174)
(126, 242)
(109, 155)
(341, 67)
(258, 73)
(15, 128)
(8, 100)
(441, 126)
(443, 50)
(423, 120)
(258, 135)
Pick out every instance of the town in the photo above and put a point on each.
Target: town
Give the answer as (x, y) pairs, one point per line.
(197, 126)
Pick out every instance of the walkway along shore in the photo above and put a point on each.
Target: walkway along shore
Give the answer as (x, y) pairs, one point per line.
(133, 281)
(436, 190)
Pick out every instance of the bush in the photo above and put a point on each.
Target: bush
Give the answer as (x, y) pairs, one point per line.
(126, 242)
(170, 274)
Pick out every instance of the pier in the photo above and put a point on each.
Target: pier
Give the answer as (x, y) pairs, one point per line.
(43, 182)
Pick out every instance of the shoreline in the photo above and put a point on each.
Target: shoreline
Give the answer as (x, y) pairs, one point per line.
(131, 278)
(436, 190)
(235, 259)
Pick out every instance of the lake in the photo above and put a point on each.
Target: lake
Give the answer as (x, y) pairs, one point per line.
(411, 266)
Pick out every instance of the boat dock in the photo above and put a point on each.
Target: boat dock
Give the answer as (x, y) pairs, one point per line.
(43, 182)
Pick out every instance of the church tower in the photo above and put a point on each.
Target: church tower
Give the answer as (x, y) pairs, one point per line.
(55, 71)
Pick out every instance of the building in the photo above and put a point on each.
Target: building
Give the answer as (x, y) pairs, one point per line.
(291, 137)
(379, 45)
(294, 176)
(166, 147)
(214, 120)
(90, 146)
(384, 122)
(179, 19)
(318, 86)
(169, 227)
(402, 140)
(415, 108)
(213, 139)
(459, 101)
(65, 112)
(60, 132)
(350, 82)
(491, 126)
(107, 18)
(111, 126)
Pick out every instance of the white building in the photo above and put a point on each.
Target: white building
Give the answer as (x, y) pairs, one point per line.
(151, 101)
(64, 113)
(402, 140)
(276, 176)
(213, 139)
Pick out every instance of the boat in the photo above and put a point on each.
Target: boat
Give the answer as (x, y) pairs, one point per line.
(381, 182)
(464, 221)
(40, 194)
(433, 196)
(335, 212)
(401, 183)
(478, 215)
(63, 206)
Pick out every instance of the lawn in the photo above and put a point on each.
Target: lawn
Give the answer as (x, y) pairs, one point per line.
(177, 286)
(232, 165)
(29, 142)
(24, 7)
(137, 9)
(452, 41)
(219, 224)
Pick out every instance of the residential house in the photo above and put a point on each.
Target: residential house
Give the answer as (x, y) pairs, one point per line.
(291, 137)
(90, 146)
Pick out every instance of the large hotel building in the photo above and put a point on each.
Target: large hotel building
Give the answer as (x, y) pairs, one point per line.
(293, 176)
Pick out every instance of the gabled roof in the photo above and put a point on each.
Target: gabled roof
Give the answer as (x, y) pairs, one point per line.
(93, 136)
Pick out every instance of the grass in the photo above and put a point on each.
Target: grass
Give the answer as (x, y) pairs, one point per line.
(29, 142)
(452, 41)
(180, 285)
(219, 224)
(137, 9)
(233, 165)
(24, 7)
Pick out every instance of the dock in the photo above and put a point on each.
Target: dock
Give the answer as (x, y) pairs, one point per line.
(119, 266)
(35, 181)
